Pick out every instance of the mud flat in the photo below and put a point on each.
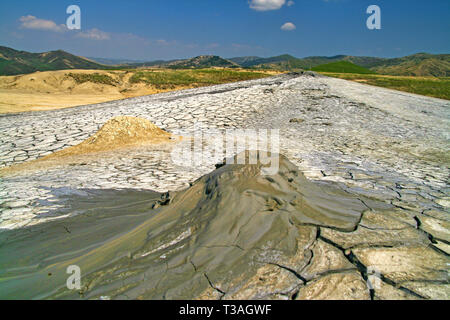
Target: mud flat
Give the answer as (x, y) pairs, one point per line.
(50, 90)
(380, 154)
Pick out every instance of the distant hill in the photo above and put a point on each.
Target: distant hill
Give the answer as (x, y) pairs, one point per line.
(116, 62)
(282, 62)
(342, 67)
(244, 60)
(13, 62)
(206, 61)
(421, 64)
(264, 61)
(366, 62)
(287, 62)
(202, 62)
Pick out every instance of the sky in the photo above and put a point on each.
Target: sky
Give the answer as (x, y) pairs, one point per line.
(171, 29)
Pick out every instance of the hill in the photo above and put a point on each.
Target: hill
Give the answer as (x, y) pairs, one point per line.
(341, 67)
(202, 62)
(287, 62)
(366, 62)
(199, 62)
(421, 64)
(244, 60)
(13, 62)
(283, 62)
(265, 61)
(116, 62)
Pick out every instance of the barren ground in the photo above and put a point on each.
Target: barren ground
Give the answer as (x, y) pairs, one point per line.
(52, 90)
(388, 149)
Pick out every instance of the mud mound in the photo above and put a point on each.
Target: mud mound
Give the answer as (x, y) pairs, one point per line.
(220, 237)
(116, 133)
(119, 132)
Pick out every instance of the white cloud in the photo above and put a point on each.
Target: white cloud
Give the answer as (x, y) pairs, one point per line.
(266, 5)
(31, 22)
(94, 34)
(288, 26)
(290, 3)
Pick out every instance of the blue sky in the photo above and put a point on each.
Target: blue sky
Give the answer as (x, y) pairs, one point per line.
(167, 29)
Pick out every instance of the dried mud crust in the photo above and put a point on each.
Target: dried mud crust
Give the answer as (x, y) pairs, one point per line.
(118, 133)
(388, 149)
(223, 238)
(374, 147)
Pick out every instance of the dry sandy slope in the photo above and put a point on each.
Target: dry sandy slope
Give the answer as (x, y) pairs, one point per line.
(57, 89)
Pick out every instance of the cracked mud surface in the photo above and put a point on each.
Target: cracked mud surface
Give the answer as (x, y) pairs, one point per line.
(386, 149)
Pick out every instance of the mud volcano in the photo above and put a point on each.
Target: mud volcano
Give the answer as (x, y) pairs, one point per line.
(233, 234)
(117, 133)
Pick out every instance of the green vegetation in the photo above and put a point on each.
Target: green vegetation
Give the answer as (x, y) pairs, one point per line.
(284, 62)
(341, 67)
(202, 62)
(421, 64)
(167, 79)
(93, 77)
(427, 86)
(14, 62)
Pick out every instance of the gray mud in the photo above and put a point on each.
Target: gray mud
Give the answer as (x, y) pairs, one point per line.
(207, 241)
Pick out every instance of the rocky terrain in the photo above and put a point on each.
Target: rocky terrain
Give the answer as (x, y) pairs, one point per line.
(378, 157)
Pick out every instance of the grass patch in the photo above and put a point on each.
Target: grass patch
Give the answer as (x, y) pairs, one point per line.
(341, 67)
(93, 77)
(427, 86)
(167, 79)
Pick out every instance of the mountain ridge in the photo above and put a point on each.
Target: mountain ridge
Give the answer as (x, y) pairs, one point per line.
(14, 62)
(419, 64)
